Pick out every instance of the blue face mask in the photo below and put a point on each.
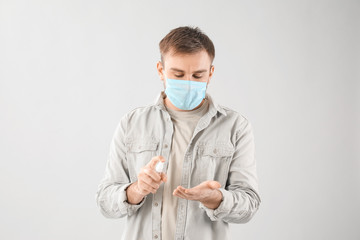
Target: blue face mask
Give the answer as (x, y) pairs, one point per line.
(185, 94)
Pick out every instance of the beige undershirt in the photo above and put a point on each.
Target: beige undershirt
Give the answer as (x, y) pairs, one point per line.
(184, 126)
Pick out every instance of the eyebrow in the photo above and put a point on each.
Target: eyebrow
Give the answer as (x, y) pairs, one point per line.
(179, 70)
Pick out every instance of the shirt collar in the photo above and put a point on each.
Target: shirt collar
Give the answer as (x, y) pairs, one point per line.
(159, 102)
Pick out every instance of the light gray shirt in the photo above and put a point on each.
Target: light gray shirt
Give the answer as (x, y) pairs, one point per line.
(221, 149)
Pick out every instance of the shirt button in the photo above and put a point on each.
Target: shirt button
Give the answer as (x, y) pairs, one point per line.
(165, 146)
(156, 236)
(214, 151)
(156, 204)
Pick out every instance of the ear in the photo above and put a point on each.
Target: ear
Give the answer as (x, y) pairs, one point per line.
(212, 68)
(160, 70)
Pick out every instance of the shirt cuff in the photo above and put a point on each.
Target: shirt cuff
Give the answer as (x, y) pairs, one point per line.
(127, 207)
(223, 209)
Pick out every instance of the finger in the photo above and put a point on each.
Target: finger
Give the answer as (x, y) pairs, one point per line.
(146, 187)
(163, 176)
(154, 161)
(183, 190)
(214, 184)
(151, 173)
(205, 183)
(149, 181)
(178, 193)
(143, 188)
(190, 191)
(194, 195)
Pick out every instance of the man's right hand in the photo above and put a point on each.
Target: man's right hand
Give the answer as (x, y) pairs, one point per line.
(148, 181)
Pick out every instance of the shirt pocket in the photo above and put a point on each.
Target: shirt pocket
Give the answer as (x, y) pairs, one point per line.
(139, 153)
(214, 162)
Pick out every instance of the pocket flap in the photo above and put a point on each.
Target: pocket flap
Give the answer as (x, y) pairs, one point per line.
(143, 146)
(217, 151)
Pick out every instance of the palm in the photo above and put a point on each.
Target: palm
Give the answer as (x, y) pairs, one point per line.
(201, 192)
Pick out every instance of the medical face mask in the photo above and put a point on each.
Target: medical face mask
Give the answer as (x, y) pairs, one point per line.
(185, 94)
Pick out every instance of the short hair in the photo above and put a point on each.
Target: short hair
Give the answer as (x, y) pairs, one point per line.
(186, 39)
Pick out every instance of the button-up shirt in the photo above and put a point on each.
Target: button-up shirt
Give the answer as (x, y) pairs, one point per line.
(221, 149)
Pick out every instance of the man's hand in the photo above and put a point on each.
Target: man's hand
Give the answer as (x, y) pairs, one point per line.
(207, 193)
(148, 181)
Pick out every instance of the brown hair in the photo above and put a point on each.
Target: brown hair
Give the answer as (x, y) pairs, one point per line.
(186, 40)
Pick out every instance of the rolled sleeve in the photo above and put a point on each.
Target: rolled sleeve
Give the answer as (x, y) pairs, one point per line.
(224, 207)
(131, 208)
(111, 195)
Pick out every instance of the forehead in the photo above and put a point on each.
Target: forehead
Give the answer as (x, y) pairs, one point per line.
(187, 61)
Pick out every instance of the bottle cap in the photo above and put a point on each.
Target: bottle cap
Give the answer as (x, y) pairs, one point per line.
(159, 166)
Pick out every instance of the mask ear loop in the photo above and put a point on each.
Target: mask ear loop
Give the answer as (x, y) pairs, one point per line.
(207, 84)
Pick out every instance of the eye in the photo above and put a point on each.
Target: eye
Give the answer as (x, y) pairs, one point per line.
(197, 76)
(179, 75)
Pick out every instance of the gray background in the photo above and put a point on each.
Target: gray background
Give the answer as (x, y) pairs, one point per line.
(70, 69)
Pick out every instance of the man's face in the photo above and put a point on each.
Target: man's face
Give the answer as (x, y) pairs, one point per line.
(194, 67)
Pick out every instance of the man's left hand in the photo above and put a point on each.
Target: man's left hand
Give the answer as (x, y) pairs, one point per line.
(206, 192)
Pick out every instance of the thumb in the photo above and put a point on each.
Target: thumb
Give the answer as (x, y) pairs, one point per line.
(163, 176)
(214, 184)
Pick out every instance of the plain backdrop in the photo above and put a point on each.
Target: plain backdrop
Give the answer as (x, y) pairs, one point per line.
(69, 70)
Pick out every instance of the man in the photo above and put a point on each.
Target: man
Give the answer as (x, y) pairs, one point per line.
(209, 174)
